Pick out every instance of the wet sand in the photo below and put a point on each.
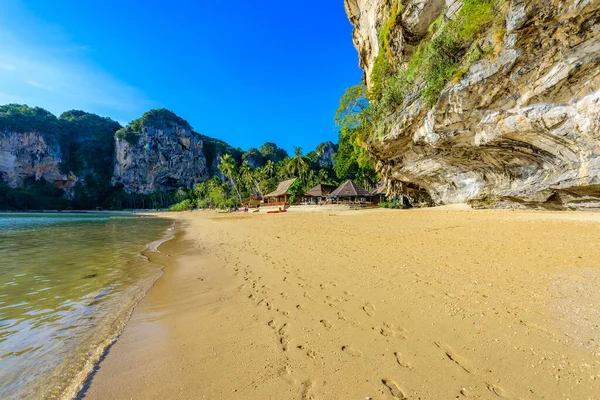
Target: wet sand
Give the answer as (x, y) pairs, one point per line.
(382, 304)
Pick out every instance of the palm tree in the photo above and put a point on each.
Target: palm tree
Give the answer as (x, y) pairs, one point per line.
(322, 176)
(299, 164)
(311, 179)
(269, 168)
(227, 166)
(247, 175)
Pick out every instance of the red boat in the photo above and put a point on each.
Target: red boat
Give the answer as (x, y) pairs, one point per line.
(276, 211)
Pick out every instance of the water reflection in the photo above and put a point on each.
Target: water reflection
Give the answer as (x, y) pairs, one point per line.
(66, 282)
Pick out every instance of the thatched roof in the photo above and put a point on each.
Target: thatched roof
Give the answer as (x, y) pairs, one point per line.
(350, 189)
(320, 191)
(282, 188)
(380, 189)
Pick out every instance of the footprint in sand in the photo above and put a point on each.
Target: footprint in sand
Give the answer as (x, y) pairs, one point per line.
(369, 309)
(326, 324)
(283, 337)
(393, 388)
(401, 361)
(307, 392)
(286, 374)
(265, 303)
(496, 390)
(311, 353)
(458, 360)
(389, 330)
(351, 351)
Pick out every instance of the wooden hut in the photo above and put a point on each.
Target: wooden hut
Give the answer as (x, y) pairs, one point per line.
(379, 194)
(350, 192)
(318, 194)
(281, 195)
(252, 201)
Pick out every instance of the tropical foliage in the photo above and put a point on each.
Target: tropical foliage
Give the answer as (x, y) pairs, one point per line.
(445, 54)
(161, 118)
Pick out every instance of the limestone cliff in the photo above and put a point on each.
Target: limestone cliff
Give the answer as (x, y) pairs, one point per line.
(516, 120)
(159, 152)
(30, 155)
(325, 152)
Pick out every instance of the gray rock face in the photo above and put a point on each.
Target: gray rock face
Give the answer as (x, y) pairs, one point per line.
(523, 126)
(25, 155)
(325, 151)
(163, 159)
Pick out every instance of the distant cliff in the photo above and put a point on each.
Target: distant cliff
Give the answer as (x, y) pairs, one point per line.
(26, 155)
(159, 152)
(496, 102)
(94, 161)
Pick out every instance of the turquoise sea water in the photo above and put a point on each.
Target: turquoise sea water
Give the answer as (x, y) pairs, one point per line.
(68, 283)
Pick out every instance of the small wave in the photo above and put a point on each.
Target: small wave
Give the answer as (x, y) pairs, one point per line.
(80, 383)
(169, 234)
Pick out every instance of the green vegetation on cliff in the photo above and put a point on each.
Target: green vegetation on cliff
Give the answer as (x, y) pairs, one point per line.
(270, 151)
(383, 65)
(159, 118)
(86, 142)
(353, 118)
(91, 145)
(215, 148)
(446, 53)
(24, 119)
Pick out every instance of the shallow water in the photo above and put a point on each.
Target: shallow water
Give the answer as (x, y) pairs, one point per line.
(68, 283)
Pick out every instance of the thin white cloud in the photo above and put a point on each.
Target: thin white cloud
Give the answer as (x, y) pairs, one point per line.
(59, 77)
(38, 85)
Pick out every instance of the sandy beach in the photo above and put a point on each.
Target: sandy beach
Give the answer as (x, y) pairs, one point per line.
(438, 303)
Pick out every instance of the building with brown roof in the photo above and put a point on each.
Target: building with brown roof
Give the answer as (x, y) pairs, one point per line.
(379, 194)
(350, 192)
(253, 200)
(318, 193)
(281, 195)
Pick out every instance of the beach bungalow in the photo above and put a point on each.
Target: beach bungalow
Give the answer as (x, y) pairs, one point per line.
(350, 192)
(281, 195)
(252, 201)
(318, 194)
(378, 194)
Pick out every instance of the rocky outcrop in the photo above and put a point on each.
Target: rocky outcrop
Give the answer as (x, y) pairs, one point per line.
(30, 155)
(325, 152)
(519, 126)
(253, 157)
(162, 153)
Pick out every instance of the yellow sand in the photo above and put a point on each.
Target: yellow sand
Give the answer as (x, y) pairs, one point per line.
(382, 304)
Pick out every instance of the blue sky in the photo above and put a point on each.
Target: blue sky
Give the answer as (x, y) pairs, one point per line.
(242, 71)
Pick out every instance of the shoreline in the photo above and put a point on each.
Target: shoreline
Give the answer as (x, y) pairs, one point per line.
(152, 254)
(431, 303)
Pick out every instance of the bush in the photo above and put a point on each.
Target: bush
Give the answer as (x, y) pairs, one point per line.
(202, 204)
(159, 118)
(384, 204)
(184, 205)
(445, 54)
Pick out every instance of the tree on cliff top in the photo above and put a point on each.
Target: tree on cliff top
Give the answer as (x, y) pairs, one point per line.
(270, 151)
(23, 119)
(159, 118)
(90, 145)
